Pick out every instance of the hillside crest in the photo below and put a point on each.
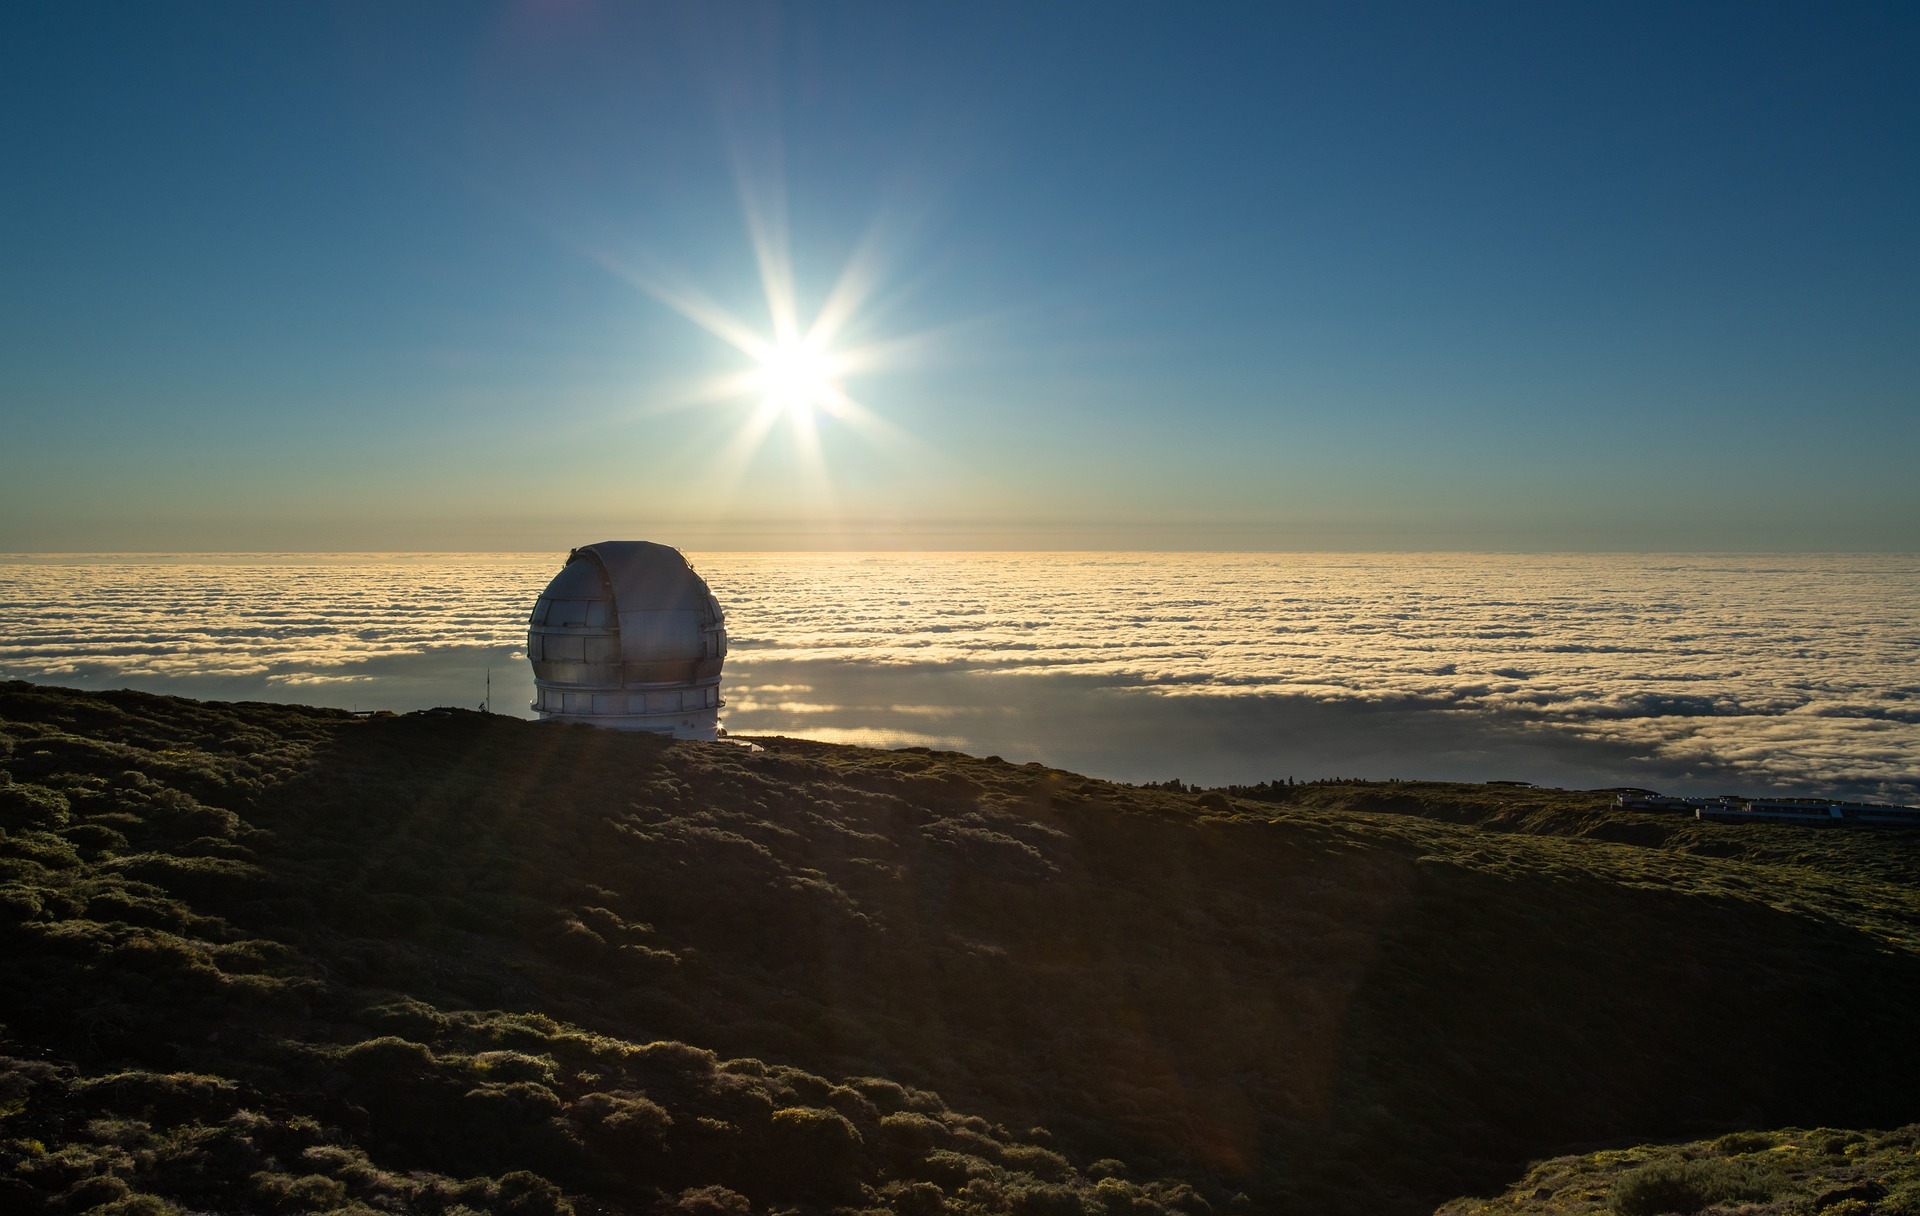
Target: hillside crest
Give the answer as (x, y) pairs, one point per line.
(268, 958)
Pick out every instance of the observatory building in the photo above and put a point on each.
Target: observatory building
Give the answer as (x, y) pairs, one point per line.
(628, 636)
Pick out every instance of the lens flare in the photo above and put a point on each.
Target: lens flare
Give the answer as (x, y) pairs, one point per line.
(798, 366)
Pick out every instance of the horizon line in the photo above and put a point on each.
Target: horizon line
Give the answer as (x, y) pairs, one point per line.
(30, 554)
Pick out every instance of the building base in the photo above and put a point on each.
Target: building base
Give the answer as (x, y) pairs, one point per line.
(697, 724)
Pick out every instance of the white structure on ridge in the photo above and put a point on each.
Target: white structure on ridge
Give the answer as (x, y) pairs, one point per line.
(628, 636)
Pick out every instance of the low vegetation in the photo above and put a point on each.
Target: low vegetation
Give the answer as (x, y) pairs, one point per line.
(1780, 1173)
(260, 958)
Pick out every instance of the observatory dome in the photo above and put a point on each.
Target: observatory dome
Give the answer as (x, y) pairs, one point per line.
(628, 636)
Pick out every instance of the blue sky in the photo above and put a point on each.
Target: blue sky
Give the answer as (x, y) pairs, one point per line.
(1261, 276)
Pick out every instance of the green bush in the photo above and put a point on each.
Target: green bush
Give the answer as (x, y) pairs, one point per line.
(386, 1056)
(953, 1170)
(513, 1104)
(32, 806)
(1733, 1144)
(1902, 1200)
(916, 1199)
(505, 1066)
(1117, 1198)
(94, 1193)
(297, 1193)
(154, 1095)
(906, 1137)
(1042, 1163)
(813, 1152)
(1046, 1201)
(710, 1201)
(627, 1122)
(1685, 1187)
(523, 1193)
(137, 1205)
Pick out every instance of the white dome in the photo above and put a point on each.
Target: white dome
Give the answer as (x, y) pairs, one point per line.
(628, 636)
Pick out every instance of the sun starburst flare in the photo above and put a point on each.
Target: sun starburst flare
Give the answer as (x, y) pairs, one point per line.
(794, 372)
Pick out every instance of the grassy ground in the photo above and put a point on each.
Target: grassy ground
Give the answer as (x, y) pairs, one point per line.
(1781, 1173)
(264, 958)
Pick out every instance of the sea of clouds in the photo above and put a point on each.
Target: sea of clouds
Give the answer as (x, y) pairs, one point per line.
(1717, 671)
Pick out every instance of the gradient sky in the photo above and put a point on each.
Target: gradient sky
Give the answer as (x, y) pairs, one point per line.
(1152, 276)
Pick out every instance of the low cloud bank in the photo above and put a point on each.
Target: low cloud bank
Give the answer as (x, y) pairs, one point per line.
(1768, 672)
(1135, 733)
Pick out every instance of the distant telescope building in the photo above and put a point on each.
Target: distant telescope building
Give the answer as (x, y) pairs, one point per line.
(628, 636)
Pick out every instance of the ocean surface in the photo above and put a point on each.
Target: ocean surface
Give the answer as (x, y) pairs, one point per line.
(1701, 673)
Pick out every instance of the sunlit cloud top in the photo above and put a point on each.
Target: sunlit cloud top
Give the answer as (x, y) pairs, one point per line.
(1795, 670)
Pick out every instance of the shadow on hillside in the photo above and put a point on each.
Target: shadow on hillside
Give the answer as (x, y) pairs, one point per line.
(1319, 1006)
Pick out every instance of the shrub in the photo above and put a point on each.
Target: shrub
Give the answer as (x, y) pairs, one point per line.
(808, 1153)
(94, 837)
(951, 1169)
(807, 1133)
(1686, 1187)
(1118, 1198)
(906, 1137)
(1735, 1143)
(1047, 1200)
(677, 1057)
(523, 1193)
(710, 1201)
(628, 1121)
(1178, 1196)
(515, 1066)
(1042, 1163)
(1903, 1200)
(166, 1096)
(1837, 1145)
(386, 1055)
(824, 1131)
(32, 806)
(888, 1095)
(137, 1205)
(91, 1194)
(43, 848)
(295, 1193)
(514, 1103)
(852, 1103)
(916, 1199)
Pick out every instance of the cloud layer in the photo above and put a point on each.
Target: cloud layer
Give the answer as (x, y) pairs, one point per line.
(1798, 670)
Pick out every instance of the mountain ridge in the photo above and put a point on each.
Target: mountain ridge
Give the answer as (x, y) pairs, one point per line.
(386, 959)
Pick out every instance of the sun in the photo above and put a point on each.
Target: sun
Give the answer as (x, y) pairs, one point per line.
(800, 370)
(796, 376)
